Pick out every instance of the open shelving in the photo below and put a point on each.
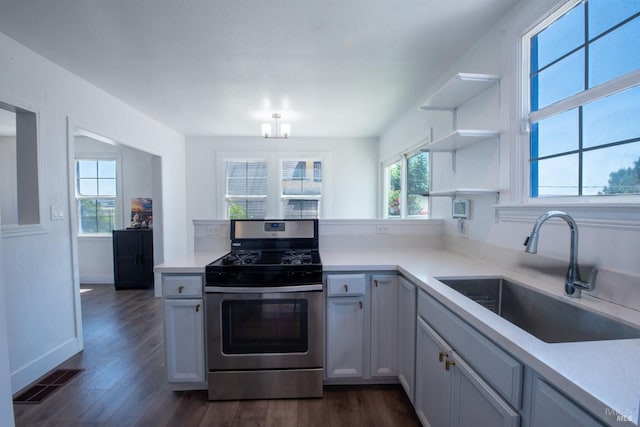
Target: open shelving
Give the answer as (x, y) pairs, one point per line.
(460, 89)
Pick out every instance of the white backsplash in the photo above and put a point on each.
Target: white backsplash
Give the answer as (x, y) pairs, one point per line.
(213, 235)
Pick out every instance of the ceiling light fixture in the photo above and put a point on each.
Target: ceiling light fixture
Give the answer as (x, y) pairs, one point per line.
(285, 129)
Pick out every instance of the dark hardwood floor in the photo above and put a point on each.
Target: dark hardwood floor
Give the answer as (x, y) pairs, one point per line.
(124, 384)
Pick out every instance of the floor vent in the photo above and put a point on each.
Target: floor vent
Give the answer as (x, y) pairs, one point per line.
(46, 386)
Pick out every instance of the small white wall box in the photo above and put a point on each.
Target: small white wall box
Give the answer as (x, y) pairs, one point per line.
(460, 208)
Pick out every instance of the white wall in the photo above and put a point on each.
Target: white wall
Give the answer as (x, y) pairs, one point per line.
(6, 404)
(40, 274)
(95, 253)
(349, 172)
(609, 236)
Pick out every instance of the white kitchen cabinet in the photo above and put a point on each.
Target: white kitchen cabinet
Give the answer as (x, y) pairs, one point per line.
(345, 337)
(407, 336)
(433, 382)
(362, 326)
(184, 330)
(551, 408)
(384, 325)
(449, 392)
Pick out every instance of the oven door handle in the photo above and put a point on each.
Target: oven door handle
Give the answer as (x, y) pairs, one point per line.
(261, 289)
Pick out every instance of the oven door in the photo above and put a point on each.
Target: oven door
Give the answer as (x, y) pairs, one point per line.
(264, 328)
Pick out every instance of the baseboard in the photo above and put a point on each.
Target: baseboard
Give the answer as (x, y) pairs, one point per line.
(96, 279)
(35, 369)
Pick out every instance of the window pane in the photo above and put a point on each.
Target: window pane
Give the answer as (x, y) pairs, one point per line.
(393, 184)
(558, 39)
(615, 54)
(106, 168)
(88, 187)
(557, 176)
(301, 177)
(604, 14)
(106, 215)
(246, 208)
(612, 119)
(246, 178)
(299, 209)
(557, 134)
(107, 187)
(561, 80)
(612, 170)
(87, 168)
(418, 184)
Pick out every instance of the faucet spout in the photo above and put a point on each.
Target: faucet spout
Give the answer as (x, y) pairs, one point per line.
(573, 283)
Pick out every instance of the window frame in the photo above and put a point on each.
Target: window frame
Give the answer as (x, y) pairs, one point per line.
(528, 117)
(403, 159)
(119, 198)
(41, 226)
(274, 161)
(312, 177)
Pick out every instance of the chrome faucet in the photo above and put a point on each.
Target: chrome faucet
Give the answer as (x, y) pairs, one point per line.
(573, 285)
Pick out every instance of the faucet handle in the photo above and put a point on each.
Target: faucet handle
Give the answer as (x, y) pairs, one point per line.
(589, 284)
(526, 241)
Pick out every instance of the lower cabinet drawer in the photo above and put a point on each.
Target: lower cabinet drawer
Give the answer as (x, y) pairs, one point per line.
(498, 368)
(182, 286)
(346, 284)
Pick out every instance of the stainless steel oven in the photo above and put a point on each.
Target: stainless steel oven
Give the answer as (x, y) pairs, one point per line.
(264, 342)
(264, 313)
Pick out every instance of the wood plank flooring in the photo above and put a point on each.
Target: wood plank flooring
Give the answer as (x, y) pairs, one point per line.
(124, 382)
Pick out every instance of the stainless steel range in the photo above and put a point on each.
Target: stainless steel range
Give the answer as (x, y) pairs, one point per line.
(264, 312)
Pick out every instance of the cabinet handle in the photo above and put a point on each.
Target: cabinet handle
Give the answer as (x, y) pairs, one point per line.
(346, 287)
(360, 304)
(448, 364)
(197, 308)
(375, 282)
(442, 355)
(180, 289)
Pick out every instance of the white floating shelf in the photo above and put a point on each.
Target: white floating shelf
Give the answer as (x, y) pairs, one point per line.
(464, 192)
(461, 88)
(460, 139)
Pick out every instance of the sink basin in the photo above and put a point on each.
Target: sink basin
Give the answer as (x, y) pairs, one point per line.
(549, 319)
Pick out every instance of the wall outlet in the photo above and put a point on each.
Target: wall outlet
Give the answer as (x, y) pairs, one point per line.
(462, 228)
(213, 230)
(382, 229)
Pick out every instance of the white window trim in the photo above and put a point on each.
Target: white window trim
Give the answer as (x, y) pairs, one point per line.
(120, 209)
(597, 211)
(20, 230)
(404, 198)
(274, 161)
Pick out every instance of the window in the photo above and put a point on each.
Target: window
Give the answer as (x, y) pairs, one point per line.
(301, 189)
(19, 179)
(246, 189)
(584, 83)
(407, 184)
(96, 195)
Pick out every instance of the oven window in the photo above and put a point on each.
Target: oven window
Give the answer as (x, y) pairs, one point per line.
(265, 326)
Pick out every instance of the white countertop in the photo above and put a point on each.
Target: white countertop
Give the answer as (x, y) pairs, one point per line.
(600, 375)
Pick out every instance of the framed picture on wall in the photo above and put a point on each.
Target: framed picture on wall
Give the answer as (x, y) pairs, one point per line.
(141, 212)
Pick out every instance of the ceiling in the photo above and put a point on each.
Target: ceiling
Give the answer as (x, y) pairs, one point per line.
(213, 67)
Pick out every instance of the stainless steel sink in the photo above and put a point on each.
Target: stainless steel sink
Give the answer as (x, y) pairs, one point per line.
(549, 319)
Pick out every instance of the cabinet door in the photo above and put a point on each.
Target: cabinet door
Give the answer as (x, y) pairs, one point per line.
(433, 382)
(475, 403)
(384, 325)
(126, 260)
(345, 337)
(551, 408)
(407, 336)
(146, 257)
(184, 340)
